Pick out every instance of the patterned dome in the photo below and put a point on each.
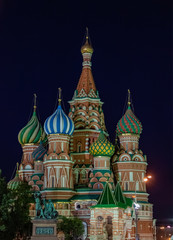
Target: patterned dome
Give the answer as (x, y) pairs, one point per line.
(15, 182)
(129, 123)
(102, 147)
(32, 132)
(39, 153)
(59, 123)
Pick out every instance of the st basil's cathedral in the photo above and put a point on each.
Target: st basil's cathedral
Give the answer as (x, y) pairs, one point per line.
(72, 162)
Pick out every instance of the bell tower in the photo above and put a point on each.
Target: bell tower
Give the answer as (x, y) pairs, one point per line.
(87, 114)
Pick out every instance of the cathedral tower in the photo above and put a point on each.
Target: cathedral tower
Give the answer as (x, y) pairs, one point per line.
(86, 112)
(58, 177)
(129, 166)
(29, 137)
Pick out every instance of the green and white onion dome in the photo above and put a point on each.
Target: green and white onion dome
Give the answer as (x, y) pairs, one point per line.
(33, 132)
(102, 147)
(15, 182)
(129, 123)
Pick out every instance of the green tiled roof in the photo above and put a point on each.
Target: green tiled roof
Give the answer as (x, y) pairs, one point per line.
(106, 199)
(118, 194)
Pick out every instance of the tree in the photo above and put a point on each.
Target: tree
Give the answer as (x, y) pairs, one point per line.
(14, 210)
(72, 227)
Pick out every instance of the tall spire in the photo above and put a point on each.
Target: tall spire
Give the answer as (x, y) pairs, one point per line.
(86, 86)
(59, 98)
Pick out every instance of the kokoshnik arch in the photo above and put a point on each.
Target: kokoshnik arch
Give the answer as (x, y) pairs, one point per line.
(72, 163)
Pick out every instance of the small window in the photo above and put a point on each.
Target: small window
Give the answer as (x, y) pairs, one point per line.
(79, 148)
(127, 186)
(53, 182)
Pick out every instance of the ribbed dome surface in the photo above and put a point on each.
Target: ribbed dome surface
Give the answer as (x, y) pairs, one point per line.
(15, 182)
(32, 132)
(59, 123)
(129, 123)
(39, 153)
(102, 147)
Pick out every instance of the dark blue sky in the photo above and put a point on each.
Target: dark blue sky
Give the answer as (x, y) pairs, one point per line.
(40, 51)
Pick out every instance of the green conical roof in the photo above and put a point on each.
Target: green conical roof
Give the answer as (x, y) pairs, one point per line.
(122, 201)
(106, 199)
(118, 194)
(102, 147)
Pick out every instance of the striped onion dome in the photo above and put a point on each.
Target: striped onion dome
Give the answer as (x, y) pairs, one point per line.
(39, 152)
(102, 147)
(15, 182)
(32, 132)
(129, 123)
(59, 123)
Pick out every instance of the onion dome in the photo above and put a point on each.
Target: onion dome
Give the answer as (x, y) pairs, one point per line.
(39, 152)
(15, 182)
(102, 147)
(33, 131)
(59, 122)
(129, 122)
(87, 48)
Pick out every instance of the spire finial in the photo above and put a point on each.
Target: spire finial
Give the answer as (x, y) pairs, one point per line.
(129, 102)
(59, 99)
(35, 101)
(86, 33)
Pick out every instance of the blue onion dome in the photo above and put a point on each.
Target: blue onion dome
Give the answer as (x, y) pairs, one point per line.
(59, 122)
(15, 182)
(39, 152)
(102, 147)
(33, 131)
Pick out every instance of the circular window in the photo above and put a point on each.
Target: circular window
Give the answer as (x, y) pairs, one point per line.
(77, 206)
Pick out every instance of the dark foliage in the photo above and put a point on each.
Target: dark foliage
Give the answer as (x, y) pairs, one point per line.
(14, 211)
(72, 227)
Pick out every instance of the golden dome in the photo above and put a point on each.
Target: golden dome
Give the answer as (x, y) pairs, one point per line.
(87, 48)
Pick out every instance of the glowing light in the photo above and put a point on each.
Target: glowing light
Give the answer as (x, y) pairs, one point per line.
(145, 179)
(168, 226)
(149, 176)
(137, 206)
(162, 227)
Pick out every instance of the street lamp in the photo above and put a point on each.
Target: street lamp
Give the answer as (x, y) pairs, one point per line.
(136, 206)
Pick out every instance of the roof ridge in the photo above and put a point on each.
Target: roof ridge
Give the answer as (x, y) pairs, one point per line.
(118, 194)
(106, 196)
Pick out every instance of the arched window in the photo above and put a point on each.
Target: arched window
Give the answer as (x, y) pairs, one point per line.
(53, 182)
(126, 186)
(137, 186)
(79, 147)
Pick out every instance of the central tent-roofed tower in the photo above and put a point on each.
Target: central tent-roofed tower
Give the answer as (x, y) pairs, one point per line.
(87, 114)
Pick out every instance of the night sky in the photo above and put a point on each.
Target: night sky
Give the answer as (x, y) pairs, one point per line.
(40, 45)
